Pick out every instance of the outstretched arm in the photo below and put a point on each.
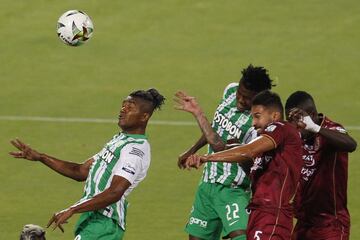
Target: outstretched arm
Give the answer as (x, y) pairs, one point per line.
(111, 195)
(238, 154)
(340, 141)
(192, 150)
(76, 171)
(189, 104)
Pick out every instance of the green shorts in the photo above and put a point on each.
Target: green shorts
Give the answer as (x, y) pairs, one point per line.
(218, 209)
(95, 226)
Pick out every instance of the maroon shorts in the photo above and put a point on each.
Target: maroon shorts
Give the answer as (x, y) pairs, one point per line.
(269, 226)
(332, 230)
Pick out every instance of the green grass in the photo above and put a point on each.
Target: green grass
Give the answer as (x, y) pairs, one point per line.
(198, 46)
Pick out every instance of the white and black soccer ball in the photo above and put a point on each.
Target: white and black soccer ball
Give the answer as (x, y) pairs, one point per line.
(75, 28)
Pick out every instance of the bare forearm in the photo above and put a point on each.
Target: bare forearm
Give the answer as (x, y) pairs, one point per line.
(243, 153)
(340, 141)
(99, 201)
(67, 169)
(198, 145)
(237, 154)
(212, 138)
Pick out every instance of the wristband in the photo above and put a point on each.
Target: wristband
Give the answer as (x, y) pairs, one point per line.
(310, 125)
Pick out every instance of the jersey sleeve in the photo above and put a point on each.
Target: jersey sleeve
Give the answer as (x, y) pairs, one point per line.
(229, 89)
(275, 132)
(337, 127)
(250, 135)
(130, 163)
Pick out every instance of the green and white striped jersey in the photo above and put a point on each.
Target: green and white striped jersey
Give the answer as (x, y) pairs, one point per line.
(229, 123)
(125, 155)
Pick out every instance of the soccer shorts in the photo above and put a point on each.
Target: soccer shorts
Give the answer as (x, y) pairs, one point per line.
(265, 225)
(95, 226)
(333, 230)
(217, 210)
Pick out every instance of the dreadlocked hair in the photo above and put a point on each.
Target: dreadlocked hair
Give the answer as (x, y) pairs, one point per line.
(151, 95)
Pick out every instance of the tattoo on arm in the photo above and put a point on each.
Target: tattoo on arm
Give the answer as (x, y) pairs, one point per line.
(211, 136)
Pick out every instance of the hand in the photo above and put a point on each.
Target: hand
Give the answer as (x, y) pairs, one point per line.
(186, 103)
(194, 161)
(182, 159)
(26, 152)
(60, 218)
(303, 120)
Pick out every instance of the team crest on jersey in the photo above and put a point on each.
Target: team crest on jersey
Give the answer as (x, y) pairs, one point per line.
(270, 128)
(339, 129)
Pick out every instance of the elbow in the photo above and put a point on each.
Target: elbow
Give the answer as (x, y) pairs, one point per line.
(218, 147)
(352, 146)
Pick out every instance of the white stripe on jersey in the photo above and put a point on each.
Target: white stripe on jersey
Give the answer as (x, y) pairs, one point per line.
(239, 176)
(226, 172)
(213, 172)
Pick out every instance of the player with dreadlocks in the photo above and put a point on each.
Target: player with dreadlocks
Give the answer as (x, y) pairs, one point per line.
(223, 194)
(110, 174)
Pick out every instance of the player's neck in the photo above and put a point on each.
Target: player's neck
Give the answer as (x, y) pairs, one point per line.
(134, 131)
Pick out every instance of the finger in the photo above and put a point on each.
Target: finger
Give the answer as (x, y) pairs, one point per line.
(52, 219)
(179, 101)
(15, 144)
(178, 107)
(16, 154)
(180, 94)
(61, 228)
(21, 144)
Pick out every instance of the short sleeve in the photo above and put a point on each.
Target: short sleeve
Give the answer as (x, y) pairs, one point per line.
(338, 128)
(229, 89)
(129, 165)
(250, 135)
(276, 132)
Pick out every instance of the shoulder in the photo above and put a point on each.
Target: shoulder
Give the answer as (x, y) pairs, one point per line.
(137, 147)
(328, 123)
(284, 128)
(230, 88)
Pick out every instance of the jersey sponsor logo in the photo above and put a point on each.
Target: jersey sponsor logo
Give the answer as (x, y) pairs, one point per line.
(201, 223)
(137, 152)
(309, 160)
(259, 162)
(106, 155)
(307, 173)
(270, 128)
(227, 125)
(129, 169)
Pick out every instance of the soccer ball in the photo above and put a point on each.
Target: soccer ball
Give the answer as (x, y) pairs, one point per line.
(74, 28)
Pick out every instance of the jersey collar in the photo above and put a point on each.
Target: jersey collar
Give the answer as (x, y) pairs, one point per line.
(141, 136)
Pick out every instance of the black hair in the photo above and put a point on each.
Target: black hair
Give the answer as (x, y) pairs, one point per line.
(152, 96)
(256, 79)
(298, 98)
(268, 99)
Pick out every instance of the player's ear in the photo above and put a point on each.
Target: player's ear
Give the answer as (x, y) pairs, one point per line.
(276, 116)
(146, 117)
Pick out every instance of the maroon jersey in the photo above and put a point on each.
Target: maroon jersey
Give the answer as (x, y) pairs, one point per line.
(276, 173)
(322, 193)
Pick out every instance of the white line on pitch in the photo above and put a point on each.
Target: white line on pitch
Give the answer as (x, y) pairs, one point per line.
(104, 120)
(88, 120)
